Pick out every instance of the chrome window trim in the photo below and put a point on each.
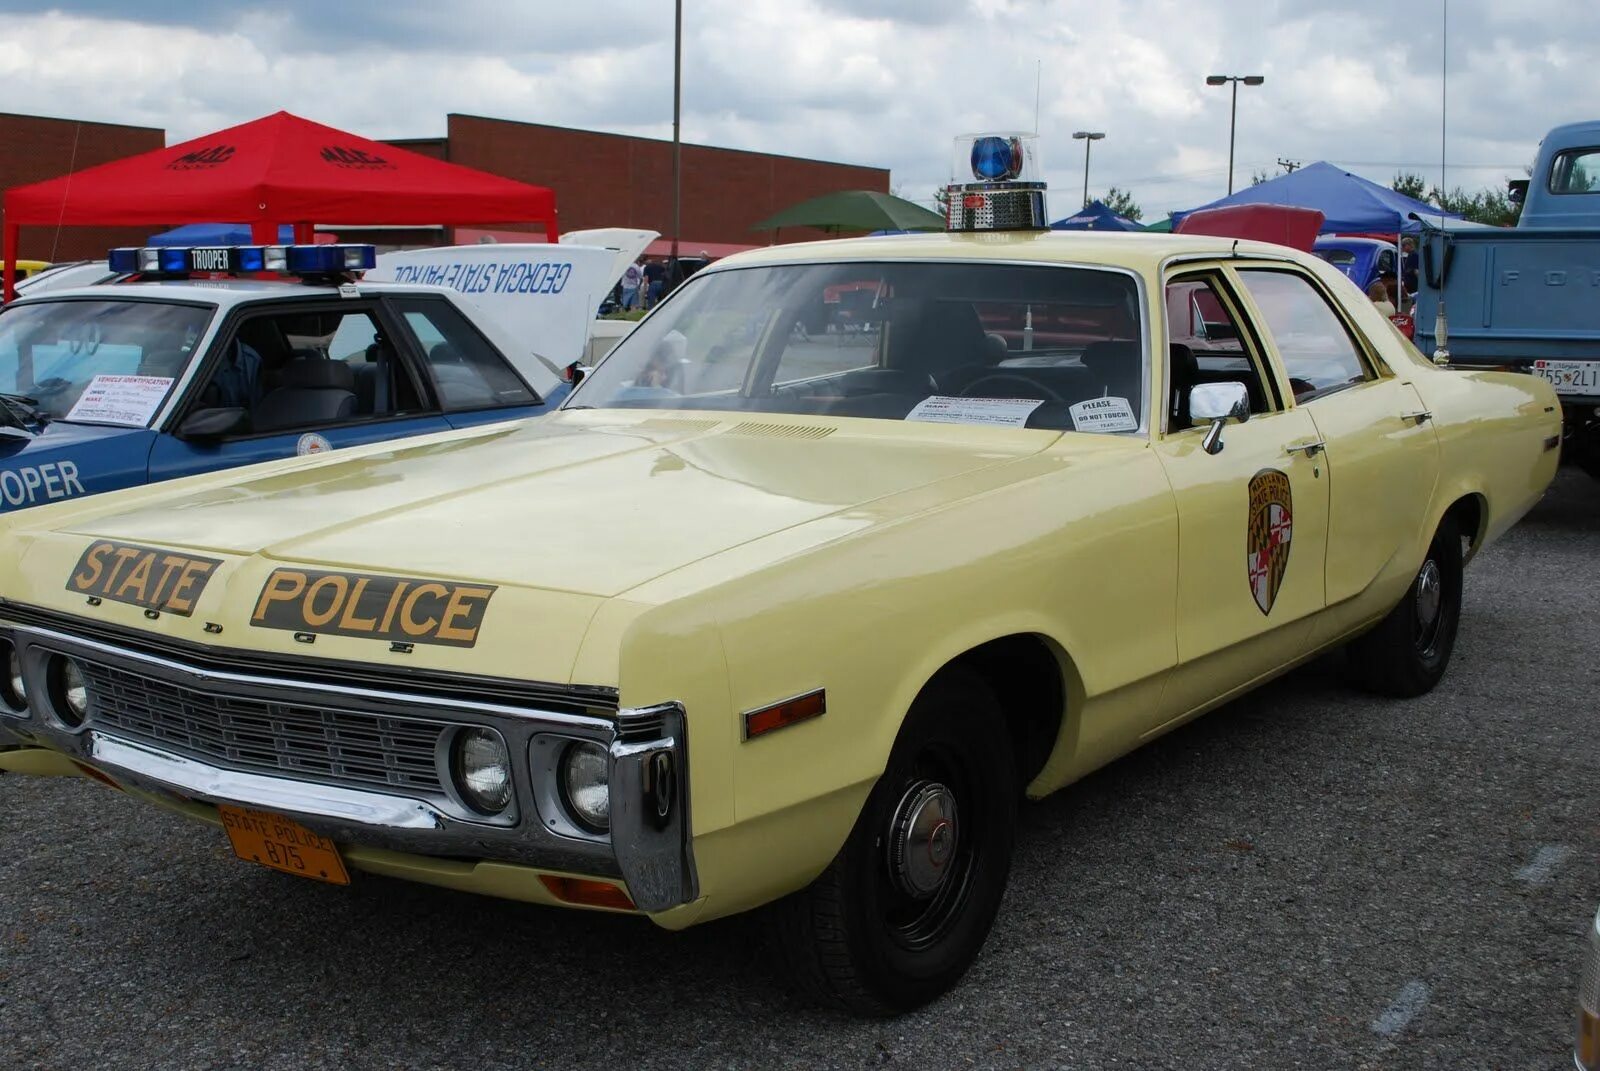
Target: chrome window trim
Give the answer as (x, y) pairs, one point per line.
(1137, 275)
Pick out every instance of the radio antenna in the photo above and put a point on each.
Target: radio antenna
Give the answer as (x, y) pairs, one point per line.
(1441, 323)
(1038, 79)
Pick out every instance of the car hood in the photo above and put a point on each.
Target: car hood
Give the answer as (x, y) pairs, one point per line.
(591, 503)
(56, 436)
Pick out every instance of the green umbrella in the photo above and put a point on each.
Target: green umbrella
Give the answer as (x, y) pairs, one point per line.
(1164, 226)
(855, 210)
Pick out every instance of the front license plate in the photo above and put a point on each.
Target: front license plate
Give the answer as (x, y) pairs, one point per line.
(1570, 377)
(272, 840)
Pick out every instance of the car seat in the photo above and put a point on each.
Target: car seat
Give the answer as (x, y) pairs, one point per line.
(1116, 369)
(314, 391)
(1184, 372)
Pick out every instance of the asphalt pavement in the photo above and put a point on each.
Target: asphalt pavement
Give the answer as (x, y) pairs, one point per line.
(1307, 878)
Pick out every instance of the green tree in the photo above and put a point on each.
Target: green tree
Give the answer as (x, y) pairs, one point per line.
(1122, 203)
(1410, 184)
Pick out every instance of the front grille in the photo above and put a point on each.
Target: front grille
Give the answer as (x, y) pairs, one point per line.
(256, 735)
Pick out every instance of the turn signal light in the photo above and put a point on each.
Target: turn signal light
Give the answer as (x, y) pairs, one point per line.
(784, 714)
(588, 892)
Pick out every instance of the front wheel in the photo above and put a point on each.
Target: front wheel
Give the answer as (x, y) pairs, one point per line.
(1409, 650)
(904, 908)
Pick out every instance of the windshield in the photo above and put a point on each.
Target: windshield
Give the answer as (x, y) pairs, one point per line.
(131, 351)
(999, 344)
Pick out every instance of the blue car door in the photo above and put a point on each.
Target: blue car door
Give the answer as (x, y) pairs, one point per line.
(474, 382)
(285, 379)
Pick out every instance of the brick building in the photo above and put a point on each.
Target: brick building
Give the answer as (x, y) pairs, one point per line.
(34, 148)
(614, 180)
(601, 180)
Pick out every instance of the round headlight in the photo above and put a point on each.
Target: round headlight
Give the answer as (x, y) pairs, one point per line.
(69, 691)
(15, 691)
(586, 785)
(481, 766)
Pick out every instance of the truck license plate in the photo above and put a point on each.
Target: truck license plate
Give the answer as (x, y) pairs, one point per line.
(275, 841)
(1570, 377)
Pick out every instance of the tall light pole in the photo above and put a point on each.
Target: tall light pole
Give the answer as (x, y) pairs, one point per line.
(1088, 137)
(1233, 120)
(677, 142)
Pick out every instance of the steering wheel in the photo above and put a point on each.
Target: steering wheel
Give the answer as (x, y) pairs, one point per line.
(1005, 377)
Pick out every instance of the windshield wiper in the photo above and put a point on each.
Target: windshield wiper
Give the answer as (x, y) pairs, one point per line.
(22, 410)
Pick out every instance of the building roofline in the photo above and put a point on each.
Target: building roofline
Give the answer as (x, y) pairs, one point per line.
(659, 141)
(90, 122)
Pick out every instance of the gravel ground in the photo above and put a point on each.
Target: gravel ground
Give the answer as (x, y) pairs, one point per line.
(1308, 878)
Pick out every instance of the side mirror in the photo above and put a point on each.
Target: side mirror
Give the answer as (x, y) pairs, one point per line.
(575, 372)
(1517, 190)
(206, 424)
(1217, 403)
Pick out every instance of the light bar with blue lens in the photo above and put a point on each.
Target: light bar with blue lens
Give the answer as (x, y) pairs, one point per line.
(996, 159)
(243, 259)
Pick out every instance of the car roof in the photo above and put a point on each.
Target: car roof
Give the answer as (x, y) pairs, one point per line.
(1131, 250)
(221, 291)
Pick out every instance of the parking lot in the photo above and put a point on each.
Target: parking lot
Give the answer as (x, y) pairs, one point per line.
(1307, 878)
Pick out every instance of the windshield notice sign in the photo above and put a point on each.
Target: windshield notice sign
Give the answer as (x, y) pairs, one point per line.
(1103, 414)
(130, 400)
(995, 412)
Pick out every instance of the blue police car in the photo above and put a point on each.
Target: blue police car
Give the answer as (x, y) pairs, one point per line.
(167, 375)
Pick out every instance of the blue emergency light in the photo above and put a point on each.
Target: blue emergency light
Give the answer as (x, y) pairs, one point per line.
(243, 259)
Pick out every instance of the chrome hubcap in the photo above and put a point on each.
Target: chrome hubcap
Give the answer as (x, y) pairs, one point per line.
(923, 836)
(1430, 594)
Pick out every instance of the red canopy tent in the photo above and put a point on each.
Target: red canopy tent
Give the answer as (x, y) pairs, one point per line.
(277, 169)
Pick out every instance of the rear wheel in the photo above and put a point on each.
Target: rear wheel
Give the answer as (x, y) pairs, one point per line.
(1409, 650)
(904, 908)
(1583, 443)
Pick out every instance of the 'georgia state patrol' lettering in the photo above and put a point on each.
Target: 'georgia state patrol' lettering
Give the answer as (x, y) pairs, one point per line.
(31, 484)
(488, 277)
(142, 576)
(376, 607)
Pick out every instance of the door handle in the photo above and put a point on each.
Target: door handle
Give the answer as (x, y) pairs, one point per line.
(1310, 446)
(1421, 416)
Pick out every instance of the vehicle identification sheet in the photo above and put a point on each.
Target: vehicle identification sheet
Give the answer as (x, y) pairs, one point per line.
(996, 412)
(129, 400)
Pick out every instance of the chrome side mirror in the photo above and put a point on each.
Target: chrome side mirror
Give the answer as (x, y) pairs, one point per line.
(1218, 403)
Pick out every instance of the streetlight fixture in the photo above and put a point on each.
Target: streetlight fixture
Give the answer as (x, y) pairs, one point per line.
(1233, 120)
(1088, 137)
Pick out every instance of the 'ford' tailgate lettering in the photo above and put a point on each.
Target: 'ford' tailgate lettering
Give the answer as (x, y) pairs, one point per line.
(375, 607)
(142, 576)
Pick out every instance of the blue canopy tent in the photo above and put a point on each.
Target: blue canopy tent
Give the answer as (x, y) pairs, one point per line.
(215, 234)
(1349, 203)
(1095, 216)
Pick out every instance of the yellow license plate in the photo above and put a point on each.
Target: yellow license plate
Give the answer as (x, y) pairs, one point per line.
(272, 840)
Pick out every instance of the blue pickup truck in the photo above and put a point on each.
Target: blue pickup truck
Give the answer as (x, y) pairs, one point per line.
(1527, 298)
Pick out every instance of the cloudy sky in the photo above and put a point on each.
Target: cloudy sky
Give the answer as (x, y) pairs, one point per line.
(879, 82)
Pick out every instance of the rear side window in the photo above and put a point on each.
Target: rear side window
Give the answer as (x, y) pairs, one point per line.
(1577, 171)
(468, 372)
(1318, 353)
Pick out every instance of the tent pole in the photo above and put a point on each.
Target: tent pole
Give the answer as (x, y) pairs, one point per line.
(12, 235)
(677, 142)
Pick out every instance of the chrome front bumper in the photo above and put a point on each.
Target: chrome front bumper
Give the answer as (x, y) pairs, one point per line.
(649, 846)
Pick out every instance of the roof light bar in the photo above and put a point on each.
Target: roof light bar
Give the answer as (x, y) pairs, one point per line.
(243, 259)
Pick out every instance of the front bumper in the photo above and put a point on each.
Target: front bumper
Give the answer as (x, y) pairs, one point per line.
(202, 733)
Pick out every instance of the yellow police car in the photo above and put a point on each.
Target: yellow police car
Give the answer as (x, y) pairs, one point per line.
(844, 551)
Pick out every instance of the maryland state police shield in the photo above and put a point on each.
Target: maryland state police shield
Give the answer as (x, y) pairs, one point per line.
(1267, 541)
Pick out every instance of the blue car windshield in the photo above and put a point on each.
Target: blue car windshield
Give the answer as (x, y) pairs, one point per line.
(1043, 346)
(51, 351)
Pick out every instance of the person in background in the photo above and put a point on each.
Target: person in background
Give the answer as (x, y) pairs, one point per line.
(632, 278)
(1408, 264)
(1379, 294)
(655, 274)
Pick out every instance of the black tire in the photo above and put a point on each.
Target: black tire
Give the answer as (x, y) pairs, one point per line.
(858, 938)
(1583, 445)
(1409, 650)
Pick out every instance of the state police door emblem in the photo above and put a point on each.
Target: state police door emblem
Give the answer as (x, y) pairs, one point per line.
(1271, 524)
